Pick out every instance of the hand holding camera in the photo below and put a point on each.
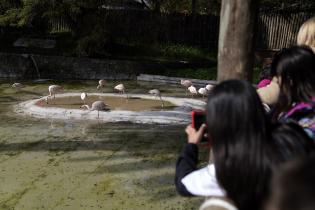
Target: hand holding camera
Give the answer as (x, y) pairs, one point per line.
(197, 129)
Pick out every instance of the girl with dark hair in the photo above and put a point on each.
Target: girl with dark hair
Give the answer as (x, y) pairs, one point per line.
(243, 146)
(295, 70)
(293, 187)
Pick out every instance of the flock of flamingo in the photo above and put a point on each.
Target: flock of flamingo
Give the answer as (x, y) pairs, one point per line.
(101, 106)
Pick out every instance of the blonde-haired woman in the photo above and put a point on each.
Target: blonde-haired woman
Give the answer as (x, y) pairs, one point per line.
(306, 35)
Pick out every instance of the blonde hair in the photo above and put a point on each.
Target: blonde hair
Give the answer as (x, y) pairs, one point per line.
(306, 35)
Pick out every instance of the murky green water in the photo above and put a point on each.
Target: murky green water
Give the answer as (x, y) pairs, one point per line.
(49, 164)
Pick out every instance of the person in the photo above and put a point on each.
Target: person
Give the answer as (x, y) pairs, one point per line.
(294, 69)
(269, 93)
(293, 187)
(268, 87)
(269, 90)
(265, 76)
(306, 34)
(243, 148)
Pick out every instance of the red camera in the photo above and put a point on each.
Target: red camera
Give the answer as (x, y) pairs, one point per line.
(198, 117)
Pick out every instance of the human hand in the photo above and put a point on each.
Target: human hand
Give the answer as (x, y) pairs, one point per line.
(194, 136)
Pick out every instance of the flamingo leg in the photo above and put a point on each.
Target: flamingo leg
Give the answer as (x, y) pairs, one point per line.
(162, 101)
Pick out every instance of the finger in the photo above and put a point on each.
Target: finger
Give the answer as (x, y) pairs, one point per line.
(202, 129)
(188, 128)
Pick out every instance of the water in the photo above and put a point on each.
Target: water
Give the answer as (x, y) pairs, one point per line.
(49, 164)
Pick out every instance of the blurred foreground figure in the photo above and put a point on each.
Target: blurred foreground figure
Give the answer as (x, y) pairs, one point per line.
(294, 186)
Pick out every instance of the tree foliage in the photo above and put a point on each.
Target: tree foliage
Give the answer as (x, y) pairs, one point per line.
(20, 13)
(88, 26)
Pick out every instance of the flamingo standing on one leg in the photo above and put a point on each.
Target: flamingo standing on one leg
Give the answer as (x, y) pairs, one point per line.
(192, 90)
(157, 93)
(83, 97)
(53, 90)
(186, 83)
(18, 86)
(96, 105)
(101, 84)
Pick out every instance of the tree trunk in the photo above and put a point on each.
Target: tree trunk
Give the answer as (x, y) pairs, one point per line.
(236, 39)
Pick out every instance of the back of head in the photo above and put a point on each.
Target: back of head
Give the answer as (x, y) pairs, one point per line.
(295, 68)
(245, 146)
(306, 35)
(289, 141)
(236, 125)
(293, 187)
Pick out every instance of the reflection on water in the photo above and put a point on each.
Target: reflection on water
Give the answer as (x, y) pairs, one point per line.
(67, 164)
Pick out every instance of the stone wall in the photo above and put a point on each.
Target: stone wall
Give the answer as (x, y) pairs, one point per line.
(59, 67)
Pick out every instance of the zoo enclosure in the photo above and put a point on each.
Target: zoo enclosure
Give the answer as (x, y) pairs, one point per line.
(274, 30)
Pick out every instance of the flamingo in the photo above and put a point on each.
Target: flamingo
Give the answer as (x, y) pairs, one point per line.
(53, 90)
(18, 86)
(101, 84)
(203, 92)
(209, 87)
(192, 90)
(83, 97)
(186, 83)
(96, 105)
(157, 93)
(121, 89)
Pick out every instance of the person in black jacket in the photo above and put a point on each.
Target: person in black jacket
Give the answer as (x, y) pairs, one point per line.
(245, 148)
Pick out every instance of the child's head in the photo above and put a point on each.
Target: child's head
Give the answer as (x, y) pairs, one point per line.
(293, 187)
(234, 109)
(306, 35)
(237, 128)
(295, 69)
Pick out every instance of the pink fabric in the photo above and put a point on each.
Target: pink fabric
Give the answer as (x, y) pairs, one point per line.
(263, 83)
(299, 106)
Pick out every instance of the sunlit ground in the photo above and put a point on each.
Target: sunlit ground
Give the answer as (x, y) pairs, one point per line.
(48, 164)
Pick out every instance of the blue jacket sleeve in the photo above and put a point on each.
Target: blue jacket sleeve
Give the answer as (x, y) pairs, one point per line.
(186, 163)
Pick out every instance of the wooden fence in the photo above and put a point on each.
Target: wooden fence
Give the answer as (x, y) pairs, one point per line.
(278, 30)
(274, 30)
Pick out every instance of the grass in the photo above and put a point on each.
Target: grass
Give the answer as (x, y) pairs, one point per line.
(203, 73)
(199, 73)
(135, 49)
(159, 51)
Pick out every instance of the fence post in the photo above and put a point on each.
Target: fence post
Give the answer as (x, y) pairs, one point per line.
(236, 51)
